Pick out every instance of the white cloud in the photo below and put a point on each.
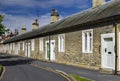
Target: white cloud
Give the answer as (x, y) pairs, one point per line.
(17, 22)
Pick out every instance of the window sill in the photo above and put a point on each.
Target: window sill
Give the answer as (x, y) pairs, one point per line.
(88, 52)
(61, 52)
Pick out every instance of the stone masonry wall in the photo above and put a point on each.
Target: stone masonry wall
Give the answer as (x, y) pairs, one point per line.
(73, 48)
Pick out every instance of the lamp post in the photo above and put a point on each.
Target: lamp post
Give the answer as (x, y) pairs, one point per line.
(107, 30)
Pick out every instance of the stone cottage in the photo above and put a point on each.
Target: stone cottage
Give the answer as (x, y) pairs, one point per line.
(90, 38)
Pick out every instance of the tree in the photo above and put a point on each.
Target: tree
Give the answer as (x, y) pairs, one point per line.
(2, 27)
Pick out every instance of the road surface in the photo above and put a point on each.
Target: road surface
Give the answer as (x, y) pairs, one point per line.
(19, 69)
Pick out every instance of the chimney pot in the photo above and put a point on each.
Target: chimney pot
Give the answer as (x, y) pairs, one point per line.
(23, 30)
(96, 3)
(35, 24)
(54, 16)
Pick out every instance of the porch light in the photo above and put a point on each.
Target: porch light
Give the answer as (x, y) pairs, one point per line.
(107, 30)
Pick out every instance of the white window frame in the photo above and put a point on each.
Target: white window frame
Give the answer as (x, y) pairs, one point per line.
(19, 45)
(13, 46)
(5, 47)
(32, 44)
(10, 46)
(87, 41)
(40, 44)
(61, 43)
(23, 45)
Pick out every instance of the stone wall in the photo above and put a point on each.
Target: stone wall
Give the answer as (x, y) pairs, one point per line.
(73, 48)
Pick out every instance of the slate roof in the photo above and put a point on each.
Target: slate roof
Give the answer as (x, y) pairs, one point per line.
(107, 11)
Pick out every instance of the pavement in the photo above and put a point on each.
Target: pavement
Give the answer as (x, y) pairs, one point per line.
(69, 69)
(20, 69)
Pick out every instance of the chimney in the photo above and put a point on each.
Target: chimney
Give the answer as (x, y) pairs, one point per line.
(96, 3)
(23, 30)
(35, 25)
(57, 15)
(16, 32)
(54, 16)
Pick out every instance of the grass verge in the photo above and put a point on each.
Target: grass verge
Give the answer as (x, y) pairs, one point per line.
(77, 78)
(1, 69)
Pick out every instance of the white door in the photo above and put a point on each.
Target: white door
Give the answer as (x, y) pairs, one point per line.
(16, 48)
(47, 52)
(50, 50)
(107, 50)
(27, 49)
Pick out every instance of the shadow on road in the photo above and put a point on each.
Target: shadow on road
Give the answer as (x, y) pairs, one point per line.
(7, 57)
(8, 60)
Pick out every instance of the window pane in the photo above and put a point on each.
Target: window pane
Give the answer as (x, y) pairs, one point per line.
(41, 44)
(23, 46)
(32, 45)
(90, 41)
(61, 40)
(87, 40)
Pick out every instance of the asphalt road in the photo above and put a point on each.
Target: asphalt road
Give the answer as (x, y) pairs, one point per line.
(82, 72)
(19, 69)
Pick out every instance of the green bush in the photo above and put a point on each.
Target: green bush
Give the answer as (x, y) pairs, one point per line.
(79, 78)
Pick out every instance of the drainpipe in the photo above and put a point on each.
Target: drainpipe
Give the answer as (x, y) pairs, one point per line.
(116, 50)
(49, 48)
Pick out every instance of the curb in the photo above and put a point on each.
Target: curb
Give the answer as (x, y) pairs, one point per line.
(73, 65)
(61, 73)
(3, 72)
(71, 76)
(64, 73)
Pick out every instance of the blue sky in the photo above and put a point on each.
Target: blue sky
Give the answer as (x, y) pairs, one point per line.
(19, 13)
